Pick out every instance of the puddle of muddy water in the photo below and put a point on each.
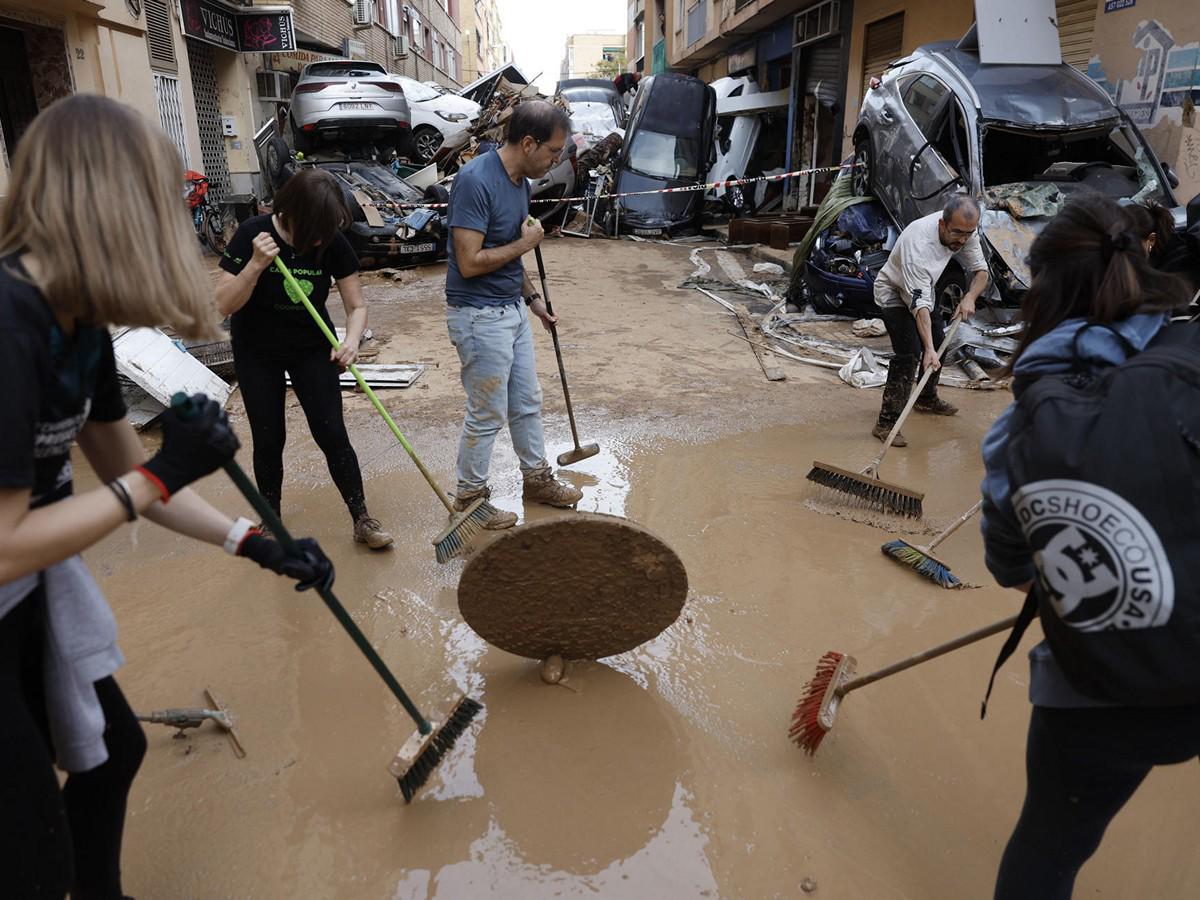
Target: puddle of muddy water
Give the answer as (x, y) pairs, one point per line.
(662, 772)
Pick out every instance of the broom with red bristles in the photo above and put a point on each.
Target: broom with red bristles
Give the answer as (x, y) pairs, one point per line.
(818, 707)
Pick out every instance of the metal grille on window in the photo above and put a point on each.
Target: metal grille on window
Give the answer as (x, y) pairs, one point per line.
(208, 117)
(170, 113)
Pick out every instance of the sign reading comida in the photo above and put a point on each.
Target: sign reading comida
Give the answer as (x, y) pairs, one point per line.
(244, 30)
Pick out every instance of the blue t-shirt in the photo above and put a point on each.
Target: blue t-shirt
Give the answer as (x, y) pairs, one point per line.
(483, 198)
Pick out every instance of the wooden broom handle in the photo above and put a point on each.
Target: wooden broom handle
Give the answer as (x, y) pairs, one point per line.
(924, 656)
(873, 468)
(954, 526)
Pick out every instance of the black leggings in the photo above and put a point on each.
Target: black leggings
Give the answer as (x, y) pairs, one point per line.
(315, 381)
(52, 840)
(1082, 765)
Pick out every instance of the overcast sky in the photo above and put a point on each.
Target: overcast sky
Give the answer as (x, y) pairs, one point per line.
(537, 31)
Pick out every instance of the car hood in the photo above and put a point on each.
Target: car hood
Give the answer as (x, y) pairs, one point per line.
(1032, 96)
(656, 210)
(449, 103)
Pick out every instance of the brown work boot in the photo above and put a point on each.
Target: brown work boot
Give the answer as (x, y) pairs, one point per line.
(543, 487)
(935, 406)
(882, 432)
(500, 520)
(368, 531)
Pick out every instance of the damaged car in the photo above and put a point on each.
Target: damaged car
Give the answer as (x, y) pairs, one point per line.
(668, 146)
(1022, 138)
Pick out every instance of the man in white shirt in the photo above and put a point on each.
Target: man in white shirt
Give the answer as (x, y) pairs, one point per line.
(904, 291)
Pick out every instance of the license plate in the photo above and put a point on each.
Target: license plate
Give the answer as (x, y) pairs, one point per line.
(417, 248)
(647, 231)
(356, 105)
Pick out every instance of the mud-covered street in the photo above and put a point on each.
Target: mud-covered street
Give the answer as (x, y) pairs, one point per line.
(663, 772)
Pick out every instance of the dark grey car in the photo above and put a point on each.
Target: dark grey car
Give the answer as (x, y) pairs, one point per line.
(1021, 138)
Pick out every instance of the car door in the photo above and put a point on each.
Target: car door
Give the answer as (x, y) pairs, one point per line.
(922, 176)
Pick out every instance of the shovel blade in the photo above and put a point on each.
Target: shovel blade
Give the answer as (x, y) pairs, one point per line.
(578, 454)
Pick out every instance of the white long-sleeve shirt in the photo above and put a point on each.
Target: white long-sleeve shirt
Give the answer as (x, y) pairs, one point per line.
(916, 263)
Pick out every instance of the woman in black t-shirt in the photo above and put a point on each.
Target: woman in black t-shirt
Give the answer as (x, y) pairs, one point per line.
(92, 233)
(274, 337)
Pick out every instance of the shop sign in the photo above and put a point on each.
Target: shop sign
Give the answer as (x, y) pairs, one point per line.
(1115, 5)
(240, 29)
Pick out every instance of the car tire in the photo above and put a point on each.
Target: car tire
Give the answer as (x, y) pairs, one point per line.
(863, 173)
(427, 140)
(950, 289)
(278, 155)
(306, 142)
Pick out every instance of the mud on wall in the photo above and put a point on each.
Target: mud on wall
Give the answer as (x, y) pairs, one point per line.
(1148, 59)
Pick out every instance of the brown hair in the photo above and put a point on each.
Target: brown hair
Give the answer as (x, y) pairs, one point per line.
(1087, 264)
(1148, 220)
(96, 197)
(312, 208)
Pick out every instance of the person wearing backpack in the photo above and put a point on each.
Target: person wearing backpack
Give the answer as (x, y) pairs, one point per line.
(1090, 508)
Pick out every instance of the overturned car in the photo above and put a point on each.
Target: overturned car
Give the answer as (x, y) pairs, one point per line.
(1022, 138)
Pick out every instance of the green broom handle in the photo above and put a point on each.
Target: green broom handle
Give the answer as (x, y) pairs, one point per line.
(182, 405)
(296, 295)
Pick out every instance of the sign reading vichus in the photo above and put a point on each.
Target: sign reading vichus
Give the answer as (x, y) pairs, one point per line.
(246, 30)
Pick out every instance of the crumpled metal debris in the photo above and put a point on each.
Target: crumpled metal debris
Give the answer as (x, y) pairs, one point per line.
(1025, 200)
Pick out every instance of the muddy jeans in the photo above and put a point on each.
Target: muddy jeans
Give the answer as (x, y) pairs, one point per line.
(901, 327)
(495, 347)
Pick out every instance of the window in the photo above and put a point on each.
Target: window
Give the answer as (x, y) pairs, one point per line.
(427, 43)
(679, 16)
(478, 44)
(450, 68)
(659, 155)
(437, 54)
(923, 99)
(416, 27)
(393, 17)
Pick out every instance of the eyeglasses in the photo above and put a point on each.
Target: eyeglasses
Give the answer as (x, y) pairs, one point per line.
(958, 233)
(557, 153)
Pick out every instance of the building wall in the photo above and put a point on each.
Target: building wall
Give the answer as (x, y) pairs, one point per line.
(584, 52)
(1148, 59)
(483, 48)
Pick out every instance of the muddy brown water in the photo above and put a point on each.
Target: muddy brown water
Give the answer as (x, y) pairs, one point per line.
(663, 772)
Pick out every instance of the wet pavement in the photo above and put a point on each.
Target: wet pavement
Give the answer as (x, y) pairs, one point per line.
(663, 772)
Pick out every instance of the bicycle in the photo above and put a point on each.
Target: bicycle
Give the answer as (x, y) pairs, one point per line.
(206, 218)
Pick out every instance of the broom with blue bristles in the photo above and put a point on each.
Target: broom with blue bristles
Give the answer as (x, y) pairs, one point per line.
(921, 559)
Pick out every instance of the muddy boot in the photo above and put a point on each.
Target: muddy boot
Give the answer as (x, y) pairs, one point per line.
(543, 487)
(370, 532)
(929, 402)
(498, 522)
(895, 394)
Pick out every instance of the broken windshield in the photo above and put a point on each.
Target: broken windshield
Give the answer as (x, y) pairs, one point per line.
(659, 155)
(1110, 160)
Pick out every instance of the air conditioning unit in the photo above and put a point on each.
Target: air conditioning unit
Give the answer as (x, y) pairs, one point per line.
(273, 85)
(400, 47)
(364, 13)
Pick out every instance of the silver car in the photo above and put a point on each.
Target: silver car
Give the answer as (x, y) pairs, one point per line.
(1021, 138)
(347, 99)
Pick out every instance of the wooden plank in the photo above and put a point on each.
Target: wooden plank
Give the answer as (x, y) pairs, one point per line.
(374, 219)
(750, 327)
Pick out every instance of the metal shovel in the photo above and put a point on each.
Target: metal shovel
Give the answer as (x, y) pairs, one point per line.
(579, 453)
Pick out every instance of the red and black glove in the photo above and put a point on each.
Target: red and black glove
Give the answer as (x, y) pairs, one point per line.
(314, 570)
(194, 445)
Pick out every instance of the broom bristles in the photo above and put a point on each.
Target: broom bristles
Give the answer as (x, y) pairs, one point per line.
(807, 730)
(869, 491)
(921, 563)
(411, 776)
(451, 542)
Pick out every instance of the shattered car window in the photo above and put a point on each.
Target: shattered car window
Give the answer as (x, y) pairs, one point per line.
(599, 118)
(659, 155)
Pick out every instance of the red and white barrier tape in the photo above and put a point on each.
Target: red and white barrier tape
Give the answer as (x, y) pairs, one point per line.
(675, 190)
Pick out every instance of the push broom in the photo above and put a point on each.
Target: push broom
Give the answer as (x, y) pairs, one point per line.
(866, 487)
(421, 753)
(463, 525)
(921, 559)
(834, 679)
(579, 453)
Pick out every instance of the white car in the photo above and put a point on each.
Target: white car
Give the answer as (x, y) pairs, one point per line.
(436, 116)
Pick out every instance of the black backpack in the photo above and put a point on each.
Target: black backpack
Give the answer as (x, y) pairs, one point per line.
(1104, 465)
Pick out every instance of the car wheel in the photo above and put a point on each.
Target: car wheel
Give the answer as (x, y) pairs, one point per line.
(426, 141)
(949, 291)
(862, 175)
(306, 142)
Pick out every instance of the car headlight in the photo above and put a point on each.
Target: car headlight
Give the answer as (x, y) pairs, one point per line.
(451, 117)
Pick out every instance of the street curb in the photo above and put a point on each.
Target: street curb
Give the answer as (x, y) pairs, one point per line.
(780, 257)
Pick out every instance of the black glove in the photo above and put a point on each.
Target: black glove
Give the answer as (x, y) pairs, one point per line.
(197, 441)
(314, 570)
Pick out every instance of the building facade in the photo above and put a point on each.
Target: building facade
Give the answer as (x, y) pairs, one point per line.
(591, 54)
(483, 47)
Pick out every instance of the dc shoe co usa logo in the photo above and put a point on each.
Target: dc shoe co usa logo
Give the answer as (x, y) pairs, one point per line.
(1100, 561)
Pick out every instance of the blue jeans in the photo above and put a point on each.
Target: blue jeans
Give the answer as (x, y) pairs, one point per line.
(495, 347)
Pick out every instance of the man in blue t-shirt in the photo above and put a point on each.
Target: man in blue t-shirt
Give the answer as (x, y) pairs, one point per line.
(490, 231)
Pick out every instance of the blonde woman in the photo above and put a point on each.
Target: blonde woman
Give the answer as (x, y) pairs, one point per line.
(92, 233)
